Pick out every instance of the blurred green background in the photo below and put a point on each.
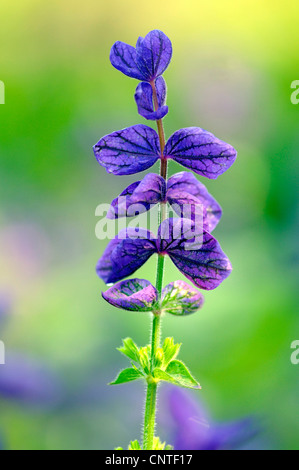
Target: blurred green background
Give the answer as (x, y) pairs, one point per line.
(231, 73)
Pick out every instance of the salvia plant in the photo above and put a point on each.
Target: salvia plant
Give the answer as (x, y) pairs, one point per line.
(186, 238)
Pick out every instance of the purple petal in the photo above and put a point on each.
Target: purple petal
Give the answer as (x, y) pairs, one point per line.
(144, 100)
(125, 254)
(179, 298)
(124, 58)
(188, 206)
(128, 151)
(173, 233)
(185, 182)
(153, 54)
(152, 189)
(133, 294)
(194, 251)
(200, 151)
(138, 197)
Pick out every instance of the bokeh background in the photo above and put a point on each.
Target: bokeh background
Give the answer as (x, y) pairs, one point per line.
(231, 73)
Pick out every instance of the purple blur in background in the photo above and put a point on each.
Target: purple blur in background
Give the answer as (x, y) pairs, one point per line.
(194, 429)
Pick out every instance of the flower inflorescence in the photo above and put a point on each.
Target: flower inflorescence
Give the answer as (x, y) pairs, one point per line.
(190, 245)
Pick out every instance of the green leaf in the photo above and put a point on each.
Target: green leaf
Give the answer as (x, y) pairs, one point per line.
(118, 448)
(170, 351)
(157, 444)
(180, 371)
(144, 358)
(130, 349)
(159, 358)
(134, 445)
(127, 375)
(177, 374)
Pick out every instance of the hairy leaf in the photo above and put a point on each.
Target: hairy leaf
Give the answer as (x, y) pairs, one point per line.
(130, 349)
(177, 374)
(127, 375)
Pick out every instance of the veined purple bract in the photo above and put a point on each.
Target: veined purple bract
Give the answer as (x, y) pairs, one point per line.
(195, 252)
(137, 148)
(187, 196)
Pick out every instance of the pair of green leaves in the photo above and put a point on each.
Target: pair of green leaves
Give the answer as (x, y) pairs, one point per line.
(165, 366)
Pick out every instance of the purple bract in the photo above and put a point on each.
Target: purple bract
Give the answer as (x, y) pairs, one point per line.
(137, 148)
(147, 61)
(128, 151)
(138, 197)
(144, 99)
(183, 191)
(194, 251)
(125, 254)
(133, 294)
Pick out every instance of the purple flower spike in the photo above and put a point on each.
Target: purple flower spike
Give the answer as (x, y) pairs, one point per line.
(125, 254)
(179, 298)
(194, 251)
(133, 294)
(200, 151)
(128, 151)
(179, 189)
(144, 100)
(148, 61)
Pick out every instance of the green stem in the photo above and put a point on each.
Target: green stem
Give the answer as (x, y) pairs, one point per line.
(151, 395)
(160, 272)
(150, 417)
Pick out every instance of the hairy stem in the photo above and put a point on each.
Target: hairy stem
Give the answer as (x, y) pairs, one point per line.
(151, 395)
